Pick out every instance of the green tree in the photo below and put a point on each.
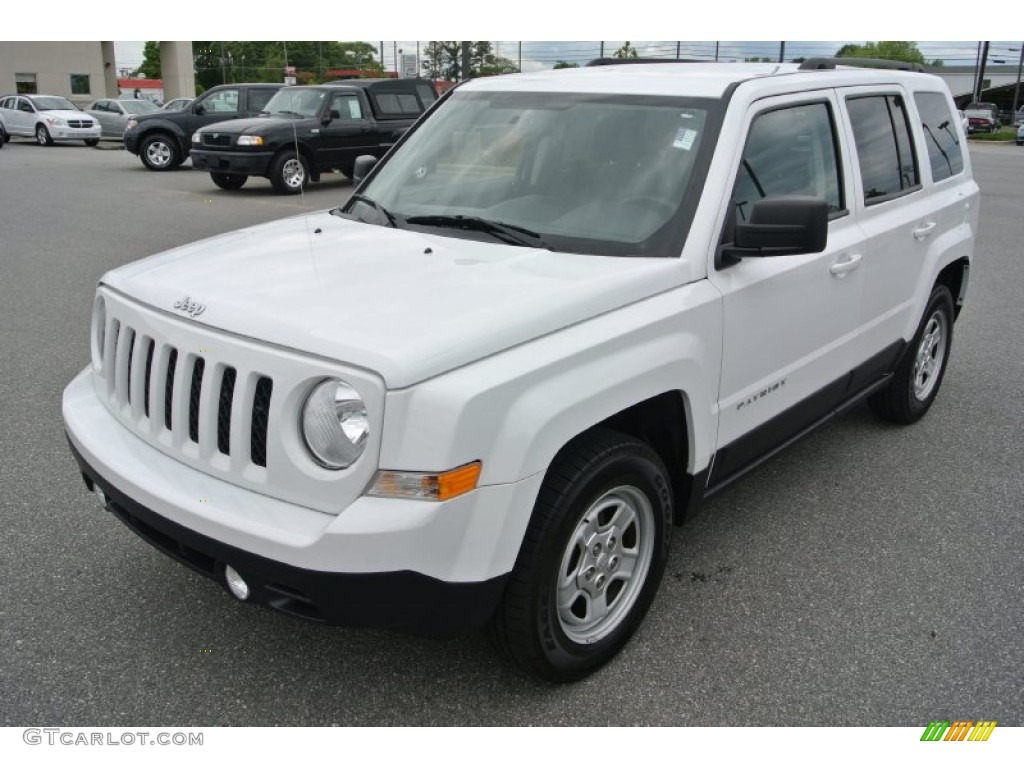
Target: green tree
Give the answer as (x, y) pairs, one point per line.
(627, 51)
(565, 65)
(265, 61)
(150, 66)
(443, 60)
(893, 50)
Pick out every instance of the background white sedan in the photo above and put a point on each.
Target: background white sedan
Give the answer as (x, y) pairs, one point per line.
(47, 118)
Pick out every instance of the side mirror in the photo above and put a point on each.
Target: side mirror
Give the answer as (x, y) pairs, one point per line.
(782, 226)
(199, 109)
(362, 167)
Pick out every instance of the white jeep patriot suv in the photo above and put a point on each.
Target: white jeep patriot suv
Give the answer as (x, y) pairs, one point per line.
(565, 308)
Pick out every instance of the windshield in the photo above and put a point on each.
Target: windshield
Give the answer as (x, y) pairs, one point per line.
(585, 173)
(53, 102)
(296, 102)
(139, 107)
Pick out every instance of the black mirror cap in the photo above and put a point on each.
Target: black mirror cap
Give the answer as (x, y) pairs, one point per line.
(198, 109)
(783, 226)
(362, 167)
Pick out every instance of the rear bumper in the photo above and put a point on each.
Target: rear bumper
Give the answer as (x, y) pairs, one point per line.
(398, 599)
(248, 163)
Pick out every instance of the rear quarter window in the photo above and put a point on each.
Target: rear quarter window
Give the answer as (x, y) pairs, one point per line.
(941, 135)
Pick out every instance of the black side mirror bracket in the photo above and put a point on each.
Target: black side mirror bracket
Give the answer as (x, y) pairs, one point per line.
(781, 226)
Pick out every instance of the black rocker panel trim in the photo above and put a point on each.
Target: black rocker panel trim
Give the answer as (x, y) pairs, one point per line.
(757, 446)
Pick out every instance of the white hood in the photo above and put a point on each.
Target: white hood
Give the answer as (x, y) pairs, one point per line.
(371, 296)
(65, 114)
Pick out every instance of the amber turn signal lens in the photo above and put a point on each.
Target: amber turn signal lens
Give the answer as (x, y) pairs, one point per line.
(428, 487)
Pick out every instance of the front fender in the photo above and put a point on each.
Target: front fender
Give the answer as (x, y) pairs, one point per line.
(513, 411)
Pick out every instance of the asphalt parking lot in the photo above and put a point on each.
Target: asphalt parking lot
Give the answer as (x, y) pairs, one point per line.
(870, 575)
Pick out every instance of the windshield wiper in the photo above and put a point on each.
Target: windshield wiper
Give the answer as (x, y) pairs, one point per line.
(376, 206)
(289, 112)
(510, 233)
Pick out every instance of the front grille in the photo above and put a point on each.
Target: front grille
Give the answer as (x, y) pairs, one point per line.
(79, 123)
(199, 397)
(216, 140)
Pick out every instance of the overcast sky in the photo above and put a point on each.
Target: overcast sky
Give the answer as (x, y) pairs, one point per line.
(543, 55)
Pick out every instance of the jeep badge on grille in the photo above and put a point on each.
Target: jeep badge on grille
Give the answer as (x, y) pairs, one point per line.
(193, 308)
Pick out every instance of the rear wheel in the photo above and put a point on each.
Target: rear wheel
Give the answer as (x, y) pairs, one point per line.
(43, 138)
(91, 142)
(916, 381)
(591, 559)
(289, 173)
(229, 180)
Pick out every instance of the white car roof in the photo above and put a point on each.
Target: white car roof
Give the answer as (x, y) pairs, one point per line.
(697, 80)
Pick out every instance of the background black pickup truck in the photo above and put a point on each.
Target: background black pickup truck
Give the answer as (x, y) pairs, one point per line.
(162, 139)
(311, 129)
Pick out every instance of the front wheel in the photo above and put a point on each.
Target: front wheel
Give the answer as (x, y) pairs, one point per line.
(43, 137)
(591, 560)
(914, 385)
(91, 142)
(289, 173)
(229, 180)
(159, 152)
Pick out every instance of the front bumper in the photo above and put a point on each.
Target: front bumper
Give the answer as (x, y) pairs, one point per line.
(63, 133)
(400, 599)
(435, 568)
(248, 163)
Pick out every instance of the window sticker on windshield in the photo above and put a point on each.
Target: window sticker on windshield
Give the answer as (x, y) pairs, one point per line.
(684, 139)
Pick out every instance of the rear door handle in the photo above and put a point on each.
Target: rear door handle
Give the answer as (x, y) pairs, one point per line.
(847, 263)
(924, 230)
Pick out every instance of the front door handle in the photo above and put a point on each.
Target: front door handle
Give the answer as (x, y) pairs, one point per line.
(847, 263)
(924, 230)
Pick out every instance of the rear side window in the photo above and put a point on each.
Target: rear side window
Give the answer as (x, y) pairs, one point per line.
(789, 151)
(882, 133)
(397, 104)
(941, 135)
(258, 98)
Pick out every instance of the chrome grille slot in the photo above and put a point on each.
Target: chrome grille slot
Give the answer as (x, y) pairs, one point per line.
(150, 351)
(196, 389)
(260, 421)
(172, 363)
(227, 396)
(125, 339)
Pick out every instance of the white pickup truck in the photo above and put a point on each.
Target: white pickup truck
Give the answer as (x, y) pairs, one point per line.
(564, 309)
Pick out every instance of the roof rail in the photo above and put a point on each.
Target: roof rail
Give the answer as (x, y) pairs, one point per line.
(825, 62)
(607, 62)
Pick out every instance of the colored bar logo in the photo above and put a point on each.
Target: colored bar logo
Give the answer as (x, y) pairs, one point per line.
(960, 730)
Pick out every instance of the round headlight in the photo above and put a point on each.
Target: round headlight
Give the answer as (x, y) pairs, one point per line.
(334, 424)
(99, 328)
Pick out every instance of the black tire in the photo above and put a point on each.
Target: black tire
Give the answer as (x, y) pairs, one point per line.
(289, 173)
(911, 392)
(229, 180)
(530, 627)
(348, 171)
(43, 137)
(91, 142)
(160, 152)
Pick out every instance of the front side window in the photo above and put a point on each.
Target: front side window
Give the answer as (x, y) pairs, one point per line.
(222, 101)
(789, 151)
(882, 134)
(587, 173)
(941, 135)
(80, 84)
